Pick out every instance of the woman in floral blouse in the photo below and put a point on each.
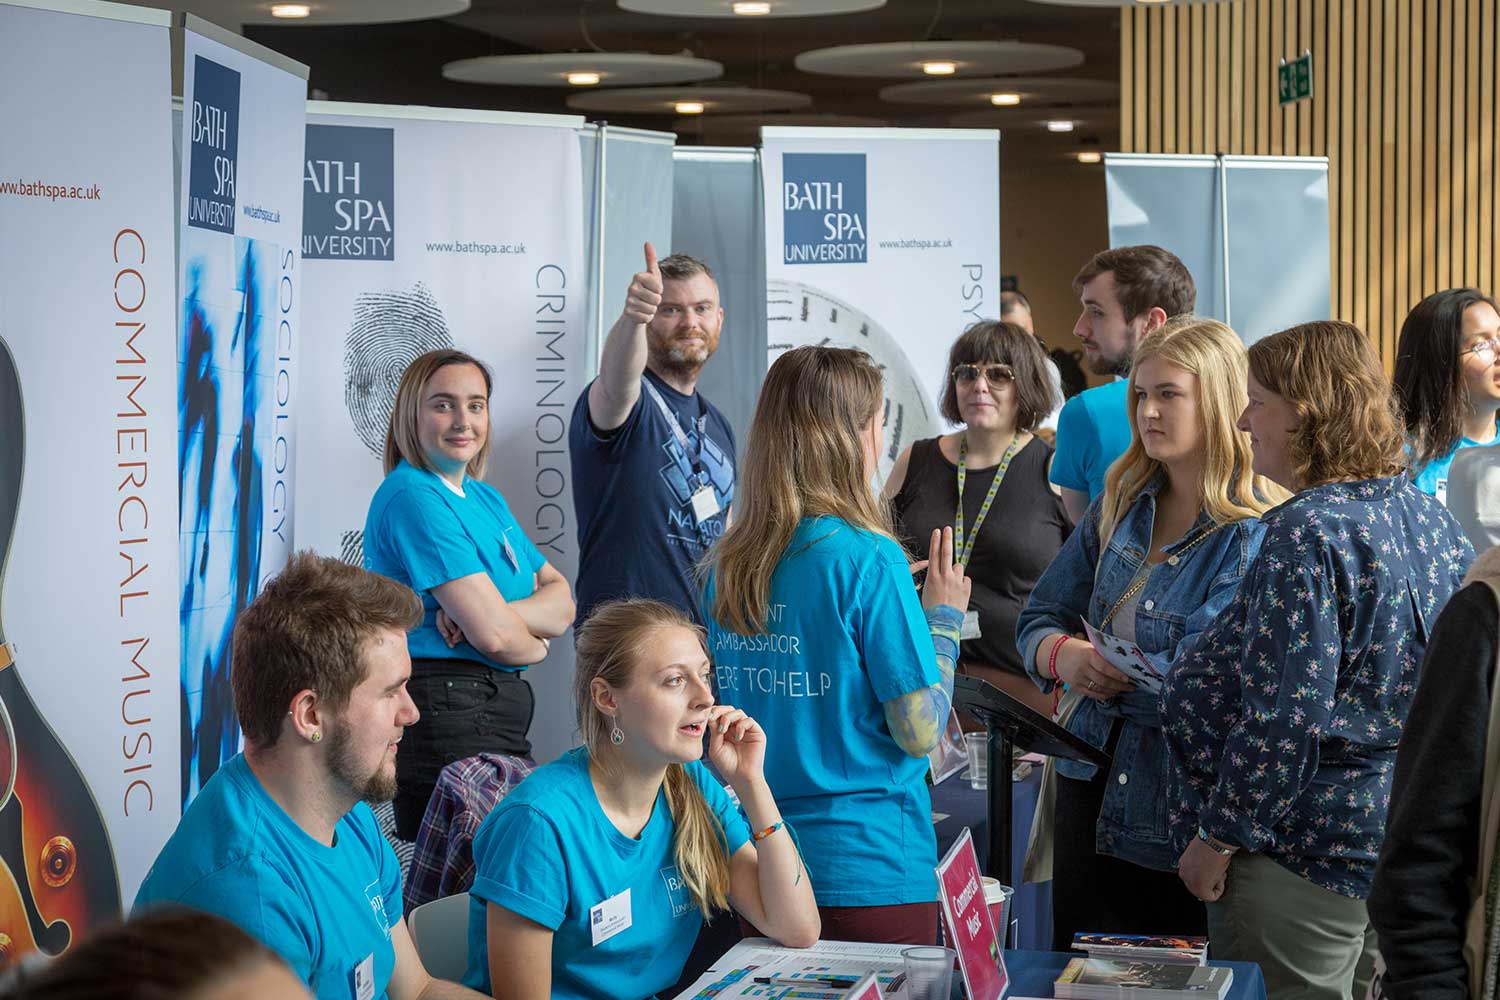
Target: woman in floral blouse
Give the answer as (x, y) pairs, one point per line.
(1282, 722)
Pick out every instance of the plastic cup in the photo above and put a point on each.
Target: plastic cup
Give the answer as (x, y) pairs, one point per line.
(979, 759)
(929, 972)
(999, 898)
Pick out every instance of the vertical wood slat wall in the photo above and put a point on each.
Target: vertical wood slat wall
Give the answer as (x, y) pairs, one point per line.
(1404, 106)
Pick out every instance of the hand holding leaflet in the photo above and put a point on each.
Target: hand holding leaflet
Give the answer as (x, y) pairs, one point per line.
(1126, 657)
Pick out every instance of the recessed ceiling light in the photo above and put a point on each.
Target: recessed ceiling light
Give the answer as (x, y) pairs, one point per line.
(1005, 100)
(1153, 1)
(1059, 125)
(1089, 156)
(750, 8)
(290, 10)
(689, 107)
(939, 68)
(583, 79)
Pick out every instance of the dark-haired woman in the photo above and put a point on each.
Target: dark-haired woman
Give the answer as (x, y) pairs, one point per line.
(1447, 381)
(491, 600)
(989, 482)
(1282, 720)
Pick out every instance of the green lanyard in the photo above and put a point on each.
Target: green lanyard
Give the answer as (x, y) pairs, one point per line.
(965, 549)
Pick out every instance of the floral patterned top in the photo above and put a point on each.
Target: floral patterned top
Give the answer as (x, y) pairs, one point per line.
(1283, 720)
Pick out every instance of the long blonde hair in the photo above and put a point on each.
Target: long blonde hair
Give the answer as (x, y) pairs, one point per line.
(609, 648)
(804, 458)
(1230, 489)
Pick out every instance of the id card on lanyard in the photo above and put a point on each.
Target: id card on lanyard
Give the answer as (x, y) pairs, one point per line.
(704, 500)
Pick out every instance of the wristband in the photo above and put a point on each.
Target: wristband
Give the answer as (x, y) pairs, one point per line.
(763, 834)
(1218, 849)
(1052, 658)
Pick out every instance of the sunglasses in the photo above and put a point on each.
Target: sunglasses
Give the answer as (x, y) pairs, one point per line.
(1484, 350)
(993, 374)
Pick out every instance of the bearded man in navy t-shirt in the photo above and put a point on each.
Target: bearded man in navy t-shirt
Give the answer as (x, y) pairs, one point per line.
(653, 461)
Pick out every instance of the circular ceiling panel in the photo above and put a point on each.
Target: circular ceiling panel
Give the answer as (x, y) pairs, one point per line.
(748, 9)
(810, 119)
(665, 100)
(920, 59)
(1032, 90)
(231, 13)
(1085, 120)
(580, 69)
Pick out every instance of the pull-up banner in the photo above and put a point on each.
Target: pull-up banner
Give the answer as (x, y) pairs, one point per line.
(238, 336)
(88, 505)
(425, 228)
(887, 240)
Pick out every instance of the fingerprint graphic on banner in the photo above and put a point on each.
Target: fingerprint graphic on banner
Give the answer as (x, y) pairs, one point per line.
(390, 329)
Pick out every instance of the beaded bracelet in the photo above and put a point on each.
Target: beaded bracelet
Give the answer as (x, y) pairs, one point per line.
(763, 834)
(1052, 658)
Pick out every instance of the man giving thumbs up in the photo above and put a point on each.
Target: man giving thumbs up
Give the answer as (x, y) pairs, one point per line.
(653, 461)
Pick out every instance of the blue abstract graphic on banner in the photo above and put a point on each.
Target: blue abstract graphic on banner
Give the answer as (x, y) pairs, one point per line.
(213, 154)
(227, 395)
(824, 216)
(349, 193)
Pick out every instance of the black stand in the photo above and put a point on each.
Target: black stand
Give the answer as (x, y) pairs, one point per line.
(1008, 724)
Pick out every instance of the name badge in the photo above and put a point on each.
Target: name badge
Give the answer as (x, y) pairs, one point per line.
(970, 629)
(610, 917)
(509, 553)
(364, 979)
(1442, 492)
(705, 504)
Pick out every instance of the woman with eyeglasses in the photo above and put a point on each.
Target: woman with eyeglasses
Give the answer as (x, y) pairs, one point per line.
(988, 482)
(1447, 381)
(1157, 557)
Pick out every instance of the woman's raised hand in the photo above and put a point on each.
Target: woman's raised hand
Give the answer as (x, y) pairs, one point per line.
(946, 582)
(736, 744)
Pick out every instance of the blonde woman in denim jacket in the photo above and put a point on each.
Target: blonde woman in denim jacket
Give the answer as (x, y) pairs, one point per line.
(1158, 555)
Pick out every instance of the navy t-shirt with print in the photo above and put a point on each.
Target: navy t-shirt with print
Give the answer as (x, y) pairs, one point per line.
(632, 491)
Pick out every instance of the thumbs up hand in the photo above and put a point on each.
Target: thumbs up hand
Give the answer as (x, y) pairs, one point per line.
(644, 294)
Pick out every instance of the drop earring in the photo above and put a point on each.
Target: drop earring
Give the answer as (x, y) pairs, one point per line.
(616, 735)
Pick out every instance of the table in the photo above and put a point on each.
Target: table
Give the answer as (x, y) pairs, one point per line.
(967, 807)
(1032, 974)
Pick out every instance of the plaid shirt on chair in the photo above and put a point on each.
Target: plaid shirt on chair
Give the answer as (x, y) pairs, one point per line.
(466, 791)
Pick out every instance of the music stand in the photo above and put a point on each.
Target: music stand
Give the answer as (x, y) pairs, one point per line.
(1009, 723)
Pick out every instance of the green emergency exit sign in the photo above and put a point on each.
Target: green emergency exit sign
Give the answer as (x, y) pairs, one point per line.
(1294, 79)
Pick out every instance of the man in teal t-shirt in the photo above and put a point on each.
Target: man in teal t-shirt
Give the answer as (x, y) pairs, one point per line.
(281, 840)
(1126, 293)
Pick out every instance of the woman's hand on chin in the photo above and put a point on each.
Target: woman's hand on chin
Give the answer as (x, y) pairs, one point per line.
(736, 745)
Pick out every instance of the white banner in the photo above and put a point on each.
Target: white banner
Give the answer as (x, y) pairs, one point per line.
(88, 669)
(426, 229)
(241, 218)
(887, 240)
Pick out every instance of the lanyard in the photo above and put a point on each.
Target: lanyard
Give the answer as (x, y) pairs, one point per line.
(965, 548)
(694, 453)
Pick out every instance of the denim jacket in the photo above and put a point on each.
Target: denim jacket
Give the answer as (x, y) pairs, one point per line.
(1182, 597)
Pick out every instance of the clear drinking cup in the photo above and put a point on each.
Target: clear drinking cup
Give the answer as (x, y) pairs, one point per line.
(929, 972)
(979, 759)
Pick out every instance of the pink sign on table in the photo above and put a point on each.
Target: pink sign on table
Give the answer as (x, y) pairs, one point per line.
(971, 931)
(867, 988)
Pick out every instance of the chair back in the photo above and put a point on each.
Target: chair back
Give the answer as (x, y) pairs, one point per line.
(440, 930)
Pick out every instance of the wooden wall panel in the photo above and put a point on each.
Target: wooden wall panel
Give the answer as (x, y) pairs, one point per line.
(1406, 106)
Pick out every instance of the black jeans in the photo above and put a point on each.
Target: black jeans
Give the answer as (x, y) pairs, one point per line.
(1099, 893)
(467, 708)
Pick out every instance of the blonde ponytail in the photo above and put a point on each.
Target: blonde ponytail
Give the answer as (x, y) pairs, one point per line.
(698, 843)
(607, 648)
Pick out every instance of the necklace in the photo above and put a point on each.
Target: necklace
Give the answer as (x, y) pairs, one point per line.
(1141, 578)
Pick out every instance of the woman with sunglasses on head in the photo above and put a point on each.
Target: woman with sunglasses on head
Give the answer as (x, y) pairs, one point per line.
(989, 482)
(1155, 560)
(1447, 381)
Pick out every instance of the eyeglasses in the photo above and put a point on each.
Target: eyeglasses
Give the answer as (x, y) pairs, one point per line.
(1485, 350)
(993, 374)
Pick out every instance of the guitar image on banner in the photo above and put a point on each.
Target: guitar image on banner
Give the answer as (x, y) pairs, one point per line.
(58, 880)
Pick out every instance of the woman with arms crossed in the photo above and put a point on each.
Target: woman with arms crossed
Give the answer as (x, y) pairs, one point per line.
(593, 877)
(491, 601)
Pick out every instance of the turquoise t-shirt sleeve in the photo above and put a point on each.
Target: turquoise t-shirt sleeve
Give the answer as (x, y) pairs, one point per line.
(388, 865)
(1077, 444)
(894, 642)
(519, 864)
(427, 538)
(253, 895)
(736, 830)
